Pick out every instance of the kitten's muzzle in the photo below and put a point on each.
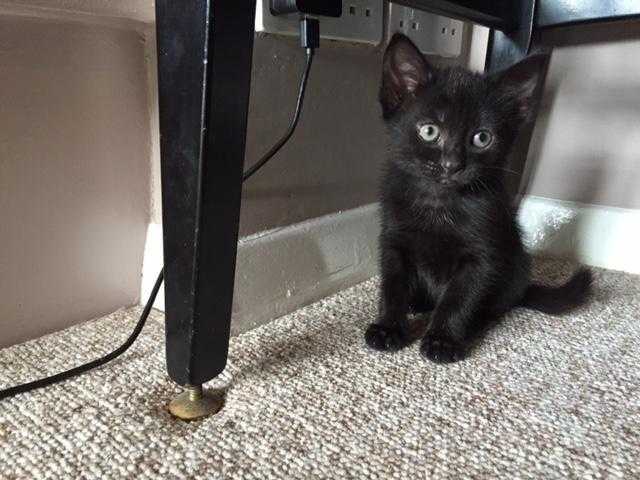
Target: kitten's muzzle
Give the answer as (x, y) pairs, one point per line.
(442, 173)
(451, 165)
(446, 181)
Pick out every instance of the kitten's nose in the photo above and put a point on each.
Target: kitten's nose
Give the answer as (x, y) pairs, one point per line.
(452, 165)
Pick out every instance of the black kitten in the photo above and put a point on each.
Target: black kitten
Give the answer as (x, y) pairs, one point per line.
(449, 241)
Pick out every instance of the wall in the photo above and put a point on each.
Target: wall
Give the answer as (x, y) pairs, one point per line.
(587, 142)
(332, 162)
(582, 172)
(74, 169)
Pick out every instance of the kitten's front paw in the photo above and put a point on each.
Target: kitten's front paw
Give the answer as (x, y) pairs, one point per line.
(384, 337)
(440, 348)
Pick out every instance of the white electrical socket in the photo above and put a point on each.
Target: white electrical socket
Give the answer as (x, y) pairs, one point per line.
(432, 34)
(361, 21)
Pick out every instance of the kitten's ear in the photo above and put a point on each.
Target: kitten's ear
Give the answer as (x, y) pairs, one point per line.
(519, 83)
(404, 70)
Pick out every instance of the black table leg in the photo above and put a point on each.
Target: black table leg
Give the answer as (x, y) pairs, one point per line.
(204, 71)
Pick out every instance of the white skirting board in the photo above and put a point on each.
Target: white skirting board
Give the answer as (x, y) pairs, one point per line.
(283, 269)
(280, 270)
(600, 236)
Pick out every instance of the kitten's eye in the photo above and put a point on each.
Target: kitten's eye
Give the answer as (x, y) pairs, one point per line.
(429, 132)
(482, 139)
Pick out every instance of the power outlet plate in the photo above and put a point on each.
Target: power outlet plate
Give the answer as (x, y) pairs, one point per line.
(361, 22)
(432, 34)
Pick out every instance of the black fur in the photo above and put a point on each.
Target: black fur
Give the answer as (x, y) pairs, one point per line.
(449, 242)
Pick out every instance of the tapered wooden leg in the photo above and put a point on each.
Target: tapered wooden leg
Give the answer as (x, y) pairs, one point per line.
(204, 71)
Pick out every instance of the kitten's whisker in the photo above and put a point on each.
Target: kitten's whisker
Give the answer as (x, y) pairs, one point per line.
(486, 187)
(503, 169)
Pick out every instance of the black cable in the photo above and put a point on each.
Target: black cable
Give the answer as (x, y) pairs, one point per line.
(294, 123)
(59, 377)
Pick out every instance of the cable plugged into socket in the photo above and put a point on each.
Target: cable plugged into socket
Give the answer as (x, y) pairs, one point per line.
(325, 8)
(361, 21)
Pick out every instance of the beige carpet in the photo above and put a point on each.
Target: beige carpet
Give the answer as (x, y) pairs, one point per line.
(543, 397)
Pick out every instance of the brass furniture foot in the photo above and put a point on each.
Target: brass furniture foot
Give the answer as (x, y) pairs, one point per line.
(195, 403)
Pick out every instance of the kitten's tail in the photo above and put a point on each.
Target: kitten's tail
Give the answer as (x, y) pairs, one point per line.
(557, 300)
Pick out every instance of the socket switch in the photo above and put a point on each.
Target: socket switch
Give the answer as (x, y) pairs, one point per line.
(361, 22)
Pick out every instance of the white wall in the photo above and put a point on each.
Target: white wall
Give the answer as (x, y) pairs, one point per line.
(583, 170)
(74, 172)
(586, 146)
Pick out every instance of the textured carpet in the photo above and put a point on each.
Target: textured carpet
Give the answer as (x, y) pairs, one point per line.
(543, 397)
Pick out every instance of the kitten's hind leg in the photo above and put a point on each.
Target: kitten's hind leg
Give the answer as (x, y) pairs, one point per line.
(391, 331)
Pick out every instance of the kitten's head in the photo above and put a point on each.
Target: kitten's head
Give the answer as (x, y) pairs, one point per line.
(451, 127)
